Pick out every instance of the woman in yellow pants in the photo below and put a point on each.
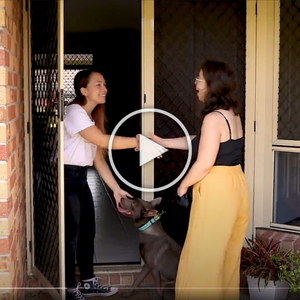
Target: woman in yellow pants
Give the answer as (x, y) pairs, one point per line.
(210, 260)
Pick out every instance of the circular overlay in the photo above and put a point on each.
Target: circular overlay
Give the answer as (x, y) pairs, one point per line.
(141, 189)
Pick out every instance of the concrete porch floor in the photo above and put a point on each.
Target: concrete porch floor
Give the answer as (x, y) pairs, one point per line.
(140, 294)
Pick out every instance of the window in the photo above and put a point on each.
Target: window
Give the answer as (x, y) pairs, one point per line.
(286, 139)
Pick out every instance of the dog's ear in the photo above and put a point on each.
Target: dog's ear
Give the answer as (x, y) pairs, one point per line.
(126, 203)
(149, 213)
(156, 201)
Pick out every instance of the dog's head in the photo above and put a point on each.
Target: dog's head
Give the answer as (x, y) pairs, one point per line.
(139, 208)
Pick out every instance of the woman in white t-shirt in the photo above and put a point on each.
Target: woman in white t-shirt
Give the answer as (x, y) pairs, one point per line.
(84, 141)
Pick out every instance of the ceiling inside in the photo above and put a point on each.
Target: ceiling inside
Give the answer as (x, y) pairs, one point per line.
(98, 15)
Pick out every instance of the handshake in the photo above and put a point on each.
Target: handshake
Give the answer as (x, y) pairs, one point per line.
(154, 138)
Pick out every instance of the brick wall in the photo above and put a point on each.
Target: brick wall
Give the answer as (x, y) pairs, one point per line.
(12, 175)
(288, 241)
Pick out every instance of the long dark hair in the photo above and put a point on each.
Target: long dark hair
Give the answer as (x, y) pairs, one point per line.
(81, 80)
(221, 83)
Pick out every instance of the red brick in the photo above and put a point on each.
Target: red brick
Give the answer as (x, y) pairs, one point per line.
(4, 246)
(126, 279)
(4, 58)
(11, 112)
(297, 244)
(4, 263)
(10, 78)
(3, 38)
(278, 237)
(104, 279)
(3, 113)
(13, 158)
(15, 80)
(8, 36)
(5, 208)
(287, 245)
(267, 235)
(114, 278)
(3, 152)
(11, 39)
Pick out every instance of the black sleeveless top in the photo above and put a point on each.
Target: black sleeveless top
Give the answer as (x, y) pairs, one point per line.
(230, 152)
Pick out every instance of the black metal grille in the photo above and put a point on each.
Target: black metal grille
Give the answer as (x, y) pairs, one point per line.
(289, 71)
(45, 137)
(187, 33)
(73, 63)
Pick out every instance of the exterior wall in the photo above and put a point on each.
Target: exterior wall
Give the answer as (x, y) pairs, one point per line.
(288, 241)
(12, 174)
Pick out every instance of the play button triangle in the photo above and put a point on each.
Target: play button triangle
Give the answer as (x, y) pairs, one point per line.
(149, 150)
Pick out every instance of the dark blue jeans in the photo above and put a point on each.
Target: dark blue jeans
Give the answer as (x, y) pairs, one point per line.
(79, 224)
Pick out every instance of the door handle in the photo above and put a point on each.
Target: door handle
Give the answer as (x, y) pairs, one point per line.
(61, 105)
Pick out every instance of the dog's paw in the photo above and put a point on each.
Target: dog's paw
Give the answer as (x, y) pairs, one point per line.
(126, 294)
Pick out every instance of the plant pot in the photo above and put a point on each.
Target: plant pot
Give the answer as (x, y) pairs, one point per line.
(277, 290)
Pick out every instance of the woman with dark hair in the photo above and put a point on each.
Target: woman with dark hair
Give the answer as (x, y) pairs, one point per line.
(85, 142)
(210, 260)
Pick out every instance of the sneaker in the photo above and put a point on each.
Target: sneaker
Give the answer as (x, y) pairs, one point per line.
(92, 288)
(75, 294)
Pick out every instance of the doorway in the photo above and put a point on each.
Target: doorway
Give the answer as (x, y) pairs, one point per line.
(106, 35)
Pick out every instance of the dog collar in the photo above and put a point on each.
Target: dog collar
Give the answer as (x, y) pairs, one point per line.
(151, 221)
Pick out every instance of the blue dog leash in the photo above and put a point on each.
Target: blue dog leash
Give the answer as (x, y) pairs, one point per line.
(151, 221)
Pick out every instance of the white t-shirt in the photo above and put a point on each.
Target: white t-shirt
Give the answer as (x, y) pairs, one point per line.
(77, 151)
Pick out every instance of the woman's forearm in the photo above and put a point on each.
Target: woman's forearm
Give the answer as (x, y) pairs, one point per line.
(96, 137)
(119, 142)
(104, 171)
(177, 143)
(195, 174)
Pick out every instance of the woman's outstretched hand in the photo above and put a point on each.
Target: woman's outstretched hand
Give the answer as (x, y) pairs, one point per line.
(153, 137)
(118, 194)
(156, 139)
(137, 148)
(181, 191)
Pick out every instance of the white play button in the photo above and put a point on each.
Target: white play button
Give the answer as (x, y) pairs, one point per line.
(149, 150)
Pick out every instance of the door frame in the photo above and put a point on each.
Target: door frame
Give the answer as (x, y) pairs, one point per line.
(31, 268)
(250, 106)
(28, 136)
(61, 111)
(147, 17)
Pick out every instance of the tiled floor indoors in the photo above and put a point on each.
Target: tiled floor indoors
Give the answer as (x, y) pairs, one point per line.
(116, 240)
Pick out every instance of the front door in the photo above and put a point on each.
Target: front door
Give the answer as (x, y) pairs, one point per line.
(46, 28)
(185, 33)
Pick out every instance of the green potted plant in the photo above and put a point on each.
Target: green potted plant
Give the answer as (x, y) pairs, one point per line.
(278, 270)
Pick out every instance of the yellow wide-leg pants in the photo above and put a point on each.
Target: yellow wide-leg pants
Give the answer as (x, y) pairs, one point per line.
(210, 260)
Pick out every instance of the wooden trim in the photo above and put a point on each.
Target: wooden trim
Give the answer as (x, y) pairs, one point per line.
(28, 137)
(148, 87)
(276, 68)
(263, 181)
(250, 106)
(61, 194)
(290, 143)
